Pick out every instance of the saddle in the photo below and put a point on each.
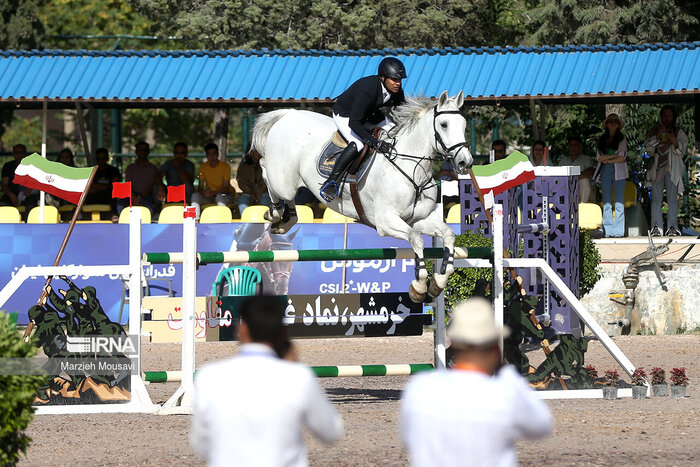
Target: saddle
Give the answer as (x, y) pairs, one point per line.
(335, 146)
(356, 172)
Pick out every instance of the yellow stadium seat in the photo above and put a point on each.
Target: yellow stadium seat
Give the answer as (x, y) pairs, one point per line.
(216, 215)
(332, 217)
(145, 215)
(305, 214)
(454, 215)
(51, 215)
(590, 216)
(171, 215)
(630, 194)
(10, 215)
(254, 214)
(96, 209)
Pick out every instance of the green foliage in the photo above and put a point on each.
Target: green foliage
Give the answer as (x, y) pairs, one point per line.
(20, 26)
(326, 24)
(17, 395)
(26, 131)
(96, 18)
(610, 22)
(589, 259)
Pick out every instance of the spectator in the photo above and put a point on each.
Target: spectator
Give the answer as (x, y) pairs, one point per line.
(143, 177)
(499, 149)
(584, 163)
(17, 195)
(446, 172)
(473, 413)
(65, 157)
(10, 191)
(177, 171)
(666, 144)
(214, 181)
(538, 154)
(101, 189)
(612, 172)
(251, 182)
(250, 410)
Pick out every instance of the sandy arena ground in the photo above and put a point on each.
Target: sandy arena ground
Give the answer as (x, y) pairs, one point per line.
(655, 431)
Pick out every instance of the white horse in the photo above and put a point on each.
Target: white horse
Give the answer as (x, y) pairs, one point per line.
(398, 193)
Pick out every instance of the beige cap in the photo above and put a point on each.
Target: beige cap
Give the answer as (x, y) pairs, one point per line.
(473, 323)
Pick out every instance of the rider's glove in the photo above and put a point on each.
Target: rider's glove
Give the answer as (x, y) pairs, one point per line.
(381, 146)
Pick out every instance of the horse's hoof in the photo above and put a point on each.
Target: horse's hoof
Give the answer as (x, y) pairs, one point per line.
(272, 218)
(415, 296)
(277, 229)
(434, 290)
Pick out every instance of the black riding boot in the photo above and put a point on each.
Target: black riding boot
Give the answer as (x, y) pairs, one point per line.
(329, 190)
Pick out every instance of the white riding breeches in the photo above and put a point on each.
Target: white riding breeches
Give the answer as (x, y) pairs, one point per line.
(343, 124)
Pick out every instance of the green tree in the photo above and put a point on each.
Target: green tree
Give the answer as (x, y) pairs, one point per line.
(609, 22)
(20, 28)
(326, 24)
(65, 18)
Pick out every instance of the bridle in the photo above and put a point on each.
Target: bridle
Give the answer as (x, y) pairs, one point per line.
(442, 150)
(446, 152)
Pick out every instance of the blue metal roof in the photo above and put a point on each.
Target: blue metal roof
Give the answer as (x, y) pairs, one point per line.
(246, 77)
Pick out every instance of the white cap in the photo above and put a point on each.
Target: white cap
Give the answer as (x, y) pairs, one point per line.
(473, 323)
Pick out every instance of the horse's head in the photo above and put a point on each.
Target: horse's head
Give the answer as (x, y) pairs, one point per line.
(450, 127)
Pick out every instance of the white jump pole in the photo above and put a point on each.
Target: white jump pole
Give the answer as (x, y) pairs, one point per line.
(497, 229)
(183, 399)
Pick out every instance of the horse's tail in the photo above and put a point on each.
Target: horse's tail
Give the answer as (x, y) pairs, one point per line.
(262, 127)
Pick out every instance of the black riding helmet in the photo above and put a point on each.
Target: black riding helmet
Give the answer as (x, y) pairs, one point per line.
(392, 68)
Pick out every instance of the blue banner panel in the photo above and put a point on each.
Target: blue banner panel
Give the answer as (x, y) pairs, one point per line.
(107, 244)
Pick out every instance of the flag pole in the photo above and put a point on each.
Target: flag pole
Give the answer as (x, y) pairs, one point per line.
(76, 213)
(513, 275)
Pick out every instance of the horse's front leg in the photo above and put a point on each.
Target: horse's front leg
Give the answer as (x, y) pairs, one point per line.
(434, 226)
(390, 224)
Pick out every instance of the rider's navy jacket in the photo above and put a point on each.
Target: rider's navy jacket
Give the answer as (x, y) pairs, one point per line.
(361, 102)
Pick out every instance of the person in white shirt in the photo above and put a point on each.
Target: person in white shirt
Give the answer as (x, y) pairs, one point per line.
(584, 163)
(250, 410)
(472, 413)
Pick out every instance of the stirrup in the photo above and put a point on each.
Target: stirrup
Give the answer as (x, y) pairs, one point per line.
(326, 192)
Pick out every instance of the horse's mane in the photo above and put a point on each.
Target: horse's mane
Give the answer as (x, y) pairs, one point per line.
(406, 116)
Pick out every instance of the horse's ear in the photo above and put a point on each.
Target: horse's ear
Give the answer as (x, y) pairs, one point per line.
(443, 99)
(459, 100)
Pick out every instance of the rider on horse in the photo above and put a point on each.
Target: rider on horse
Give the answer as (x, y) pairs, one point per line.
(357, 111)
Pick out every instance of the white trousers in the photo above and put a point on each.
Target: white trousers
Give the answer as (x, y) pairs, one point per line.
(343, 124)
(584, 190)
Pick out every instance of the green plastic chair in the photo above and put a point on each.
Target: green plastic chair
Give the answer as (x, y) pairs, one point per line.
(241, 281)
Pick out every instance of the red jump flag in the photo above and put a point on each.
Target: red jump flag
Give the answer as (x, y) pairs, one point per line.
(122, 190)
(176, 193)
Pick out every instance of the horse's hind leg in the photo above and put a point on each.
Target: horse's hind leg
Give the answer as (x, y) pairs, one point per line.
(434, 226)
(390, 224)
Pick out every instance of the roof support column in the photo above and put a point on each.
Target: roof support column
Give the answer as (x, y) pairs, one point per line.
(83, 134)
(116, 134)
(44, 118)
(221, 120)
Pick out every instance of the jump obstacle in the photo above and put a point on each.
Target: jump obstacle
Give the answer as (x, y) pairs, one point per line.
(181, 401)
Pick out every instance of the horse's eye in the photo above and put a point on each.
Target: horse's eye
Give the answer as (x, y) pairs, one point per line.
(443, 124)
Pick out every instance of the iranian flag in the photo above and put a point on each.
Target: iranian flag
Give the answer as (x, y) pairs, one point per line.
(498, 176)
(55, 178)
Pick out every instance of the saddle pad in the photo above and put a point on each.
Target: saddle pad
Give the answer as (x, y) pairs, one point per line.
(338, 140)
(330, 154)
